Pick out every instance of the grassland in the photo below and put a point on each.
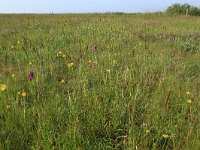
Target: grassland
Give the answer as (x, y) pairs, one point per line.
(139, 89)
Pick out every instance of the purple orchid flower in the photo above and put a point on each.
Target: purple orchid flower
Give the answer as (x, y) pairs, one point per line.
(95, 49)
(30, 75)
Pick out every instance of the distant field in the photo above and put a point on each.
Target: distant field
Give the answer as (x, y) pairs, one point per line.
(100, 81)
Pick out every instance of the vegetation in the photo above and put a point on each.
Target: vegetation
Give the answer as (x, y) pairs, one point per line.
(99, 81)
(183, 9)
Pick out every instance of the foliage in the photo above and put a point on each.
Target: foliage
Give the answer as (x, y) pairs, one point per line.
(183, 9)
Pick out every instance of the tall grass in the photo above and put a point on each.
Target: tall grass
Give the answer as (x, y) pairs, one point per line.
(139, 90)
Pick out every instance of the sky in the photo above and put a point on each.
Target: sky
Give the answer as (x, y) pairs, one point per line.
(85, 6)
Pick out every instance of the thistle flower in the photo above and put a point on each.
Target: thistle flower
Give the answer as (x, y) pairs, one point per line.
(95, 49)
(30, 75)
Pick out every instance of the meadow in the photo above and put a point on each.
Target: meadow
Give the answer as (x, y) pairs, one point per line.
(99, 81)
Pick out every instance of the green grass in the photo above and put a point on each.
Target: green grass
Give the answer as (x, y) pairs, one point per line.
(130, 94)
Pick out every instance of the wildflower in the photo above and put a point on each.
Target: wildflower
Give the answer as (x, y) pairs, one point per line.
(60, 52)
(30, 75)
(3, 87)
(64, 56)
(23, 94)
(165, 136)
(189, 101)
(188, 93)
(95, 49)
(12, 46)
(13, 75)
(18, 42)
(89, 61)
(62, 81)
(70, 65)
(147, 131)
(30, 63)
(108, 70)
(8, 106)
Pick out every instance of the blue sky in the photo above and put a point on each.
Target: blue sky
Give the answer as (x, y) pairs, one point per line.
(81, 6)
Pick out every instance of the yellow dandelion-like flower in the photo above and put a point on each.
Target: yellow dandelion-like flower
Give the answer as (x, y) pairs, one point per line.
(189, 101)
(30, 63)
(23, 94)
(108, 70)
(3, 87)
(13, 75)
(8, 106)
(62, 81)
(12, 46)
(147, 131)
(70, 65)
(165, 136)
(60, 52)
(18, 42)
(188, 93)
(89, 61)
(64, 56)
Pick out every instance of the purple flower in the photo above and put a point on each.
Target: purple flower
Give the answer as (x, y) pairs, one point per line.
(30, 75)
(95, 49)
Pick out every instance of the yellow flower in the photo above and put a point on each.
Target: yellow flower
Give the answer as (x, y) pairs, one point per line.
(89, 61)
(60, 52)
(18, 42)
(108, 70)
(64, 56)
(147, 131)
(165, 136)
(189, 101)
(70, 65)
(30, 63)
(12, 46)
(188, 93)
(8, 106)
(62, 81)
(23, 94)
(3, 87)
(13, 75)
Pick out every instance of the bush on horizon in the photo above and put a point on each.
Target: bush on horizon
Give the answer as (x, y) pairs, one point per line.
(181, 9)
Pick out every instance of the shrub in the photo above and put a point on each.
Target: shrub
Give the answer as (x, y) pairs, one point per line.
(182, 9)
